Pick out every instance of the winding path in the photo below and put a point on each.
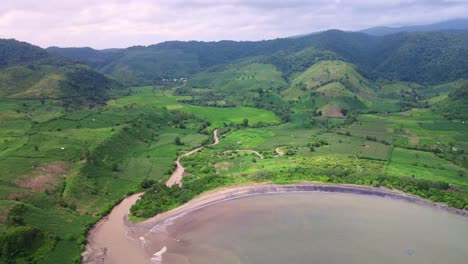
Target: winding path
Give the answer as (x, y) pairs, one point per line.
(279, 152)
(178, 174)
(114, 240)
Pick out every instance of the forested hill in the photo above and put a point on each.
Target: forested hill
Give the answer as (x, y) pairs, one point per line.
(424, 57)
(92, 57)
(455, 106)
(14, 52)
(27, 71)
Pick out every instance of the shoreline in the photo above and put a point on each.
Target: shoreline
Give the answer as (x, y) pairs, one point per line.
(115, 233)
(235, 192)
(135, 233)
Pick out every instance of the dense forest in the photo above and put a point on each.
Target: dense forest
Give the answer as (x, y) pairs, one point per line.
(426, 58)
(80, 129)
(27, 72)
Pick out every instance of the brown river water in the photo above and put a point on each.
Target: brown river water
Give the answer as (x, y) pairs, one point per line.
(295, 227)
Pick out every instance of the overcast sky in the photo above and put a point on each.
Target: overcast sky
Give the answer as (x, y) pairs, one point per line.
(123, 23)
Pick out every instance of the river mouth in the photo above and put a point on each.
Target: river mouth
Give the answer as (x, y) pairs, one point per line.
(297, 223)
(312, 227)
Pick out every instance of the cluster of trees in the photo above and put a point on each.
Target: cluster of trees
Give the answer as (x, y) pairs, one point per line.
(15, 52)
(434, 191)
(160, 198)
(17, 240)
(87, 84)
(411, 99)
(426, 58)
(456, 105)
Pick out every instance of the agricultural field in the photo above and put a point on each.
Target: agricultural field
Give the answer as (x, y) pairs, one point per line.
(81, 129)
(147, 96)
(425, 165)
(73, 165)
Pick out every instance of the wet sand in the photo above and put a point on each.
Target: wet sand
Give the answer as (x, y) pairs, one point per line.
(317, 227)
(112, 240)
(115, 240)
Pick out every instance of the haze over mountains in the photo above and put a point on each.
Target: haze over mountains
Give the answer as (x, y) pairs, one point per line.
(455, 25)
(378, 54)
(238, 71)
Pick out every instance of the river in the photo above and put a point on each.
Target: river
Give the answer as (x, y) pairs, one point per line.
(300, 223)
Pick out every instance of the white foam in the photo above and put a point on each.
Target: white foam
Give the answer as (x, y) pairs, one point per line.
(143, 241)
(157, 257)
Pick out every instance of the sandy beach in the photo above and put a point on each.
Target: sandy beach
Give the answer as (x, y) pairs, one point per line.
(141, 239)
(116, 240)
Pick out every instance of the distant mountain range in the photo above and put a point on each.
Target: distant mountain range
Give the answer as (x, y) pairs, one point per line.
(422, 57)
(291, 65)
(455, 25)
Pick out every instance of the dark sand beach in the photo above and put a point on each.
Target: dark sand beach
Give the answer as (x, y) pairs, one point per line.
(164, 237)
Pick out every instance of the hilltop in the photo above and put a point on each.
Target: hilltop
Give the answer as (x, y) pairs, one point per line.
(80, 129)
(440, 56)
(29, 72)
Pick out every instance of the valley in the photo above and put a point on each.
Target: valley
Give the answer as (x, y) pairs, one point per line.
(78, 134)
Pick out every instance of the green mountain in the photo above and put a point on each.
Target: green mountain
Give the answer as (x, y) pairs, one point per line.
(427, 58)
(175, 59)
(89, 56)
(334, 107)
(334, 85)
(455, 25)
(455, 106)
(31, 72)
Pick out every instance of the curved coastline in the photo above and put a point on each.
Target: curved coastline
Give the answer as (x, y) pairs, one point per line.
(136, 233)
(230, 193)
(115, 232)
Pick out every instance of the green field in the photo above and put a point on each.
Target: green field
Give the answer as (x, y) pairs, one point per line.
(64, 166)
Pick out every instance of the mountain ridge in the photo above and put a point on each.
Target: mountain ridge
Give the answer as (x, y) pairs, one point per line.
(378, 56)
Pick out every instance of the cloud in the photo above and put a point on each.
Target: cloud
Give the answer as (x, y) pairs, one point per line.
(122, 23)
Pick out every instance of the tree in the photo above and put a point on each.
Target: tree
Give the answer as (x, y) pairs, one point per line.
(245, 122)
(177, 141)
(115, 167)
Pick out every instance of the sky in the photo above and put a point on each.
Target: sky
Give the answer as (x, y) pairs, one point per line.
(122, 23)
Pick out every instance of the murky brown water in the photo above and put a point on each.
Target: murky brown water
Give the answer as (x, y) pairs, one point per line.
(313, 227)
(112, 241)
(317, 228)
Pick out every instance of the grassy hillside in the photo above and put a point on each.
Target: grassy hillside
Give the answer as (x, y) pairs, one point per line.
(327, 72)
(333, 107)
(239, 83)
(62, 165)
(34, 73)
(428, 58)
(332, 87)
(146, 65)
(455, 106)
